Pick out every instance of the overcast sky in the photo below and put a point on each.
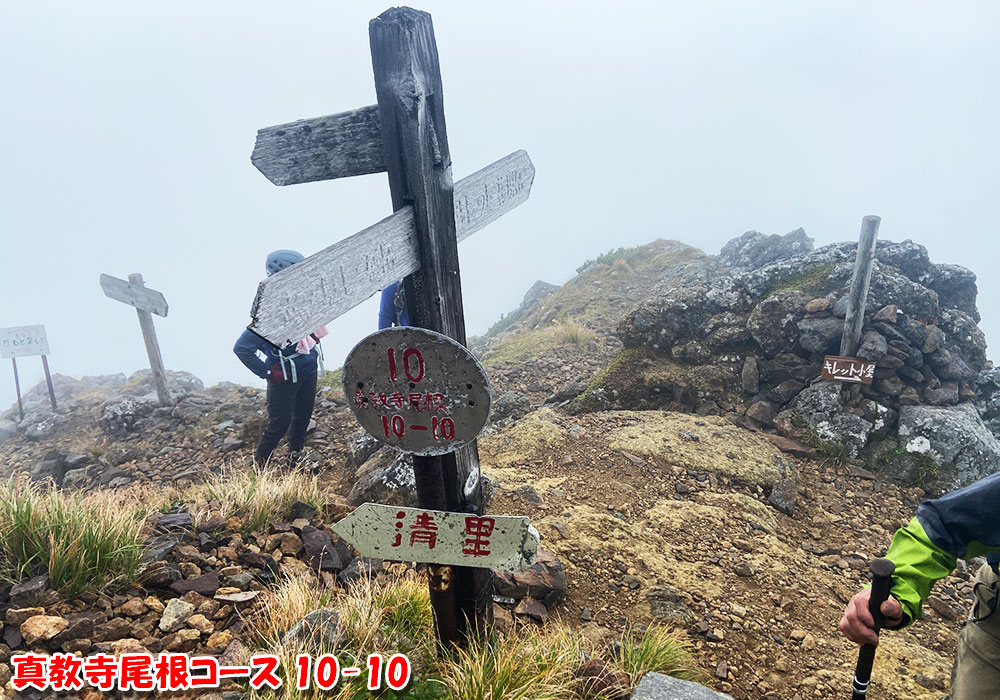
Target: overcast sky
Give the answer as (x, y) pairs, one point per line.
(126, 130)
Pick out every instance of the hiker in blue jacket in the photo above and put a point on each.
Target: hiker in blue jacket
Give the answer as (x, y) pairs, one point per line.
(291, 375)
(392, 311)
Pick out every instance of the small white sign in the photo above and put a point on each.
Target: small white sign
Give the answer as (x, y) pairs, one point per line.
(397, 533)
(23, 341)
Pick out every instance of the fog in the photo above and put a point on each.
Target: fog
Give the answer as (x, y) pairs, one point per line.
(126, 131)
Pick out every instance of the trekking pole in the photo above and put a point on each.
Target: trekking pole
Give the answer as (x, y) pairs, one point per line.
(881, 583)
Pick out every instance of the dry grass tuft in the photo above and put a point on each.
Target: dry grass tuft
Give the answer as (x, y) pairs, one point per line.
(572, 333)
(658, 649)
(82, 543)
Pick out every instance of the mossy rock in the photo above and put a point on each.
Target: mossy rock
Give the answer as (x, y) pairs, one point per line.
(705, 445)
(536, 434)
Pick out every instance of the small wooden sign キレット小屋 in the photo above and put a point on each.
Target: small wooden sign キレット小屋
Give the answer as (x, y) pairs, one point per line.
(848, 369)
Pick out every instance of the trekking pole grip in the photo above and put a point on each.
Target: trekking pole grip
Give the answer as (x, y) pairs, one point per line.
(882, 570)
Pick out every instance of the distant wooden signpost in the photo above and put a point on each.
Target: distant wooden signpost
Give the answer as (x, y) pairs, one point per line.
(404, 135)
(146, 302)
(24, 341)
(845, 367)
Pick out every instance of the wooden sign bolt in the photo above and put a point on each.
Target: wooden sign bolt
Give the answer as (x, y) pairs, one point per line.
(405, 136)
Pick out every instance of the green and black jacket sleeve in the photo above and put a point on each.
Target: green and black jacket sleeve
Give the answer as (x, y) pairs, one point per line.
(962, 524)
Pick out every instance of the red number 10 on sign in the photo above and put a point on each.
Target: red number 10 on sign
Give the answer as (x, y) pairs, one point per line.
(443, 428)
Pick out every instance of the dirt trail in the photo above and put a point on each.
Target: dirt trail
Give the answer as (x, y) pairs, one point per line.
(683, 514)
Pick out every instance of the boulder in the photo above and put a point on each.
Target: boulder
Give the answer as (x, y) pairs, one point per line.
(772, 323)
(119, 418)
(962, 330)
(988, 398)
(754, 250)
(667, 605)
(783, 495)
(657, 686)
(387, 478)
(955, 287)
(954, 437)
(362, 446)
(322, 553)
(42, 429)
(908, 257)
(821, 335)
(545, 580)
(52, 466)
(819, 406)
(510, 406)
(873, 346)
(763, 412)
(320, 630)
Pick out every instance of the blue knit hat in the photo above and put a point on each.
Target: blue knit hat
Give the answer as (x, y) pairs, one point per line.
(280, 259)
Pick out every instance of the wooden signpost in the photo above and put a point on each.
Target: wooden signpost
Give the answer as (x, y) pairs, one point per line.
(845, 367)
(857, 297)
(504, 542)
(24, 341)
(404, 135)
(146, 302)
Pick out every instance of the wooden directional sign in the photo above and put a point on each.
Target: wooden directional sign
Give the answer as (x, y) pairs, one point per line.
(324, 148)
(22, 341)
(508, 543)
(418, 391)
(134, 295)
(294, 302)
(146, 302)
(406, 137)
(848, 369)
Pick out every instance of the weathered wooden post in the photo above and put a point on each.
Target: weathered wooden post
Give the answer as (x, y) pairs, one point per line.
(417, 157)
(22, 341)
(17, 388)
(146, 301)
(405, 135)
(858, 295)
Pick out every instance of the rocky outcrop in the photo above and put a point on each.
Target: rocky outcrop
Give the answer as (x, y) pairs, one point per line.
(754, 250)
(751, 342)
(954, 437)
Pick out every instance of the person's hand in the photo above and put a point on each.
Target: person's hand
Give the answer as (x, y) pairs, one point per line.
(857, 623)
(275, 375)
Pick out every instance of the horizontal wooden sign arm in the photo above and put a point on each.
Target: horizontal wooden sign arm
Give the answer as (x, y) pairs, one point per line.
(322, 148)
(297, 300)
(135, 295)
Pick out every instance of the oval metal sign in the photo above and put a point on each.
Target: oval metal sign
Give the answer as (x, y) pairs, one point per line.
(417, 391)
